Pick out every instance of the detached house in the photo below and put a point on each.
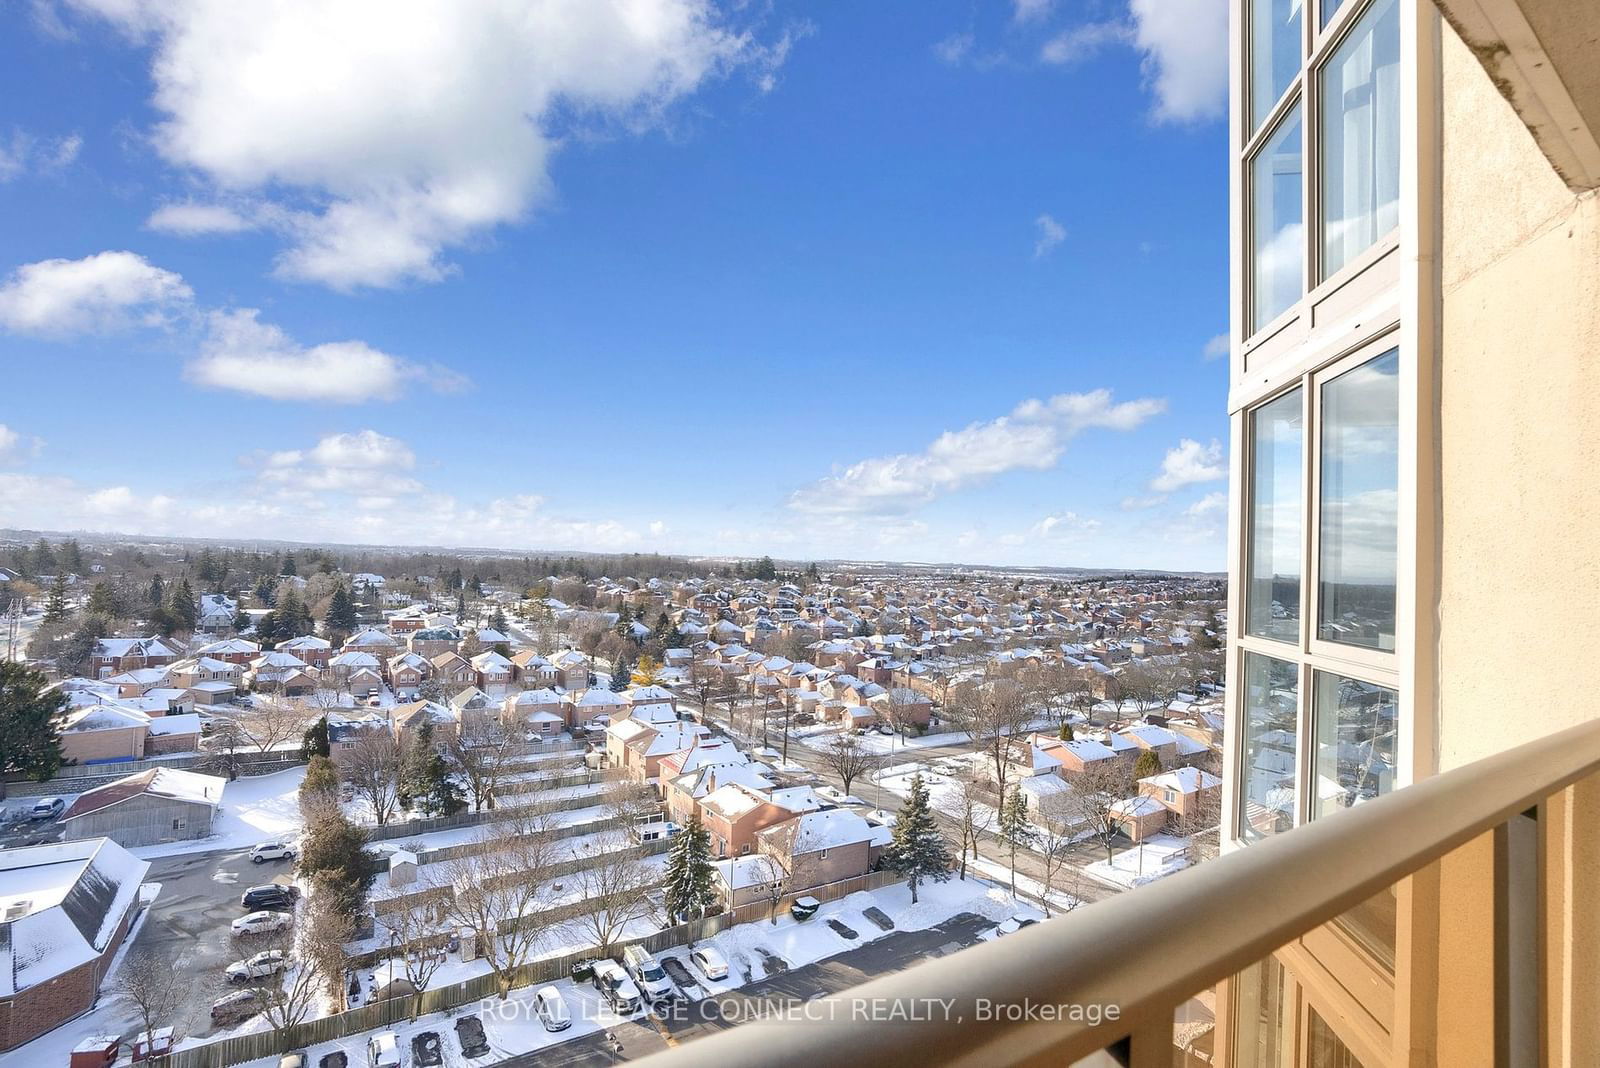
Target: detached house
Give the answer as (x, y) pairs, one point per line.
(111, 656)
(822, 847)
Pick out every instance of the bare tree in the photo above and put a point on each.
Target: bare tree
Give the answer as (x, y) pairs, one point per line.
(614, 889)
(993, 713)
(973, 814)
(271, 721)
(373, 771)
(1054, 838)
(479, 749)
(328, 930)
(847, 758)
(287, 998)
(772, 880)
(154, 985)
(1095, 793)
(500, 891)
(414, 929)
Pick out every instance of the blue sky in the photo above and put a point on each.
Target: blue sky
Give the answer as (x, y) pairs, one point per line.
(903, 280)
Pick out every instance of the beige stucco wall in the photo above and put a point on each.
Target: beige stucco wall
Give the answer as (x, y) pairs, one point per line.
(1519, 480)
(1519, 430)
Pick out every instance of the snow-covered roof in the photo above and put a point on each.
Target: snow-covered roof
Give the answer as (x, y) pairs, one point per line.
(188, 723)
(171, 783)
(1183, 780)
(739, 873)
(826, 829)
(598, 697)
(72, 896)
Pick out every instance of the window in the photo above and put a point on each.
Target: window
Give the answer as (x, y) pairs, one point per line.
(1272, 598)
(1274, 53)
(1360, 158)
(1277, 228)
(1356, 727)
(1271, 714)
(1324, 1048)
(1360, 476)
(1263, 1016)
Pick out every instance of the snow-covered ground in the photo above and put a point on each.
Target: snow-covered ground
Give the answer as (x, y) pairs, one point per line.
(1158, 855)
(263, 808)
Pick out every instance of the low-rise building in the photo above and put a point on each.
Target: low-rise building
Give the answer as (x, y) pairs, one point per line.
(155, 806)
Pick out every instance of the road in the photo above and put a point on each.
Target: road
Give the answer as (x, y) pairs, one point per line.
(189, 924)
(696, 1019)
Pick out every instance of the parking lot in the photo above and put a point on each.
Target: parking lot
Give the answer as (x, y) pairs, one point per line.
(190, 924)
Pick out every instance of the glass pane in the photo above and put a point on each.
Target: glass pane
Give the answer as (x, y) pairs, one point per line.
(1272, 600)
(1330, 8)
(1325, 1049)
(1275, 46)
(1361, 138)
(1267, 794)
(1277, 227)
(1356, 727)
(1360, 489)
(1263, 1017)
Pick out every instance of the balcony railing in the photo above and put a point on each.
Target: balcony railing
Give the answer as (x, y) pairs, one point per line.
(1149, 952)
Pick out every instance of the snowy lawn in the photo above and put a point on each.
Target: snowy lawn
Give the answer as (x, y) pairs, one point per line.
(1158, 855)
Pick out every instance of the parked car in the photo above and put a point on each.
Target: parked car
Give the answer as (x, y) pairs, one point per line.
(295, 1059)
(551, 1008)
(383, 1050)
(711, 963)
(1013, 925)
(336, 1059)
(47, 808)
(647, 975)
(469, 1032)
(270, 896)
(267, 962)
(803, 908)
(271, 851)
(235, 1007)
(427, 1050)
(618, 989)
(261, 923)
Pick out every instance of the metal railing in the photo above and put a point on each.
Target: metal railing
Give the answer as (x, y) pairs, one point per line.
(1148, 952)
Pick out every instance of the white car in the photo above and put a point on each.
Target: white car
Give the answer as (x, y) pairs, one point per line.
(552, 1009)
(1013, 925)
(711, 963)
(267, 962)
(383, 1050)
(261, 923)
(271, 851)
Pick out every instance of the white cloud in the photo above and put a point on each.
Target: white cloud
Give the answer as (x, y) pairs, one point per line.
(1135, 504)
(190, 218)
(1189, 463)
(1029, 10)
(242, 353)
(22, 153)
(366, 463)
(955, 48)
(1064, 525)
(1208, 505)
(15, 449)
(1217, 347)
(390, 134)
(1032, 437)
(1051, 234)
(1080, 43)
(1185, 49)
(98, 294)
(657, 528)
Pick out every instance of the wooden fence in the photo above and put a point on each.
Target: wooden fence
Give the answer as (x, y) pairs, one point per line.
(407, 828)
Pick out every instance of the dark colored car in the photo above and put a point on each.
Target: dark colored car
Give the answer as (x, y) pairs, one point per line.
(271, 896)
(336, 1059)
(426, 1049)
(469, 1030)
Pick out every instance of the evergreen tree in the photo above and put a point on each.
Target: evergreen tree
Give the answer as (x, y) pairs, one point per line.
(288, 567)
(917, 851)
(621, 675)
(341, 617)
(56, 609)
(29, 742)
(475, 584)
(444, 796)
(624, 621)
(43, 561)
(71, 557)
(103, 601)
(1014, 829)
(497, 621)
(182, 610)
(689, 888)
(1066, 732)
(158, 593)
(416, 782)
(266, 591)
(1149, 763)
(315, 741)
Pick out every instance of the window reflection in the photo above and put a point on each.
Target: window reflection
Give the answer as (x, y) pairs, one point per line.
(1272, 599)
(1274, 53)
(1360, 472)
(1267, 793)
(1356, 729)
(1263, 1021)
(1278, 239)
(1361, 138)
